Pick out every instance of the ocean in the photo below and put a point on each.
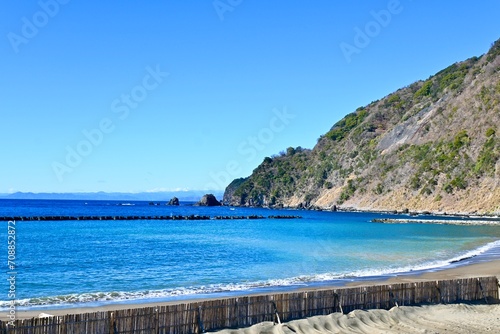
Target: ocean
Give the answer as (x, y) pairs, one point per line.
(64, 264)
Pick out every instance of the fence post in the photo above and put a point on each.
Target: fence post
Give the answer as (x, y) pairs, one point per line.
(200, 321)
(339, 303)
(111, 317)
(392, 298)
(305, 312)
(414, 294)
(498, 286)
(276, 318)
(482, 291)
(157, 322)
(335, 301)
(440, 297)
(365, 293)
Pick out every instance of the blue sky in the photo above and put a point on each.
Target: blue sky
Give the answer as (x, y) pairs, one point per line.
(160, 95)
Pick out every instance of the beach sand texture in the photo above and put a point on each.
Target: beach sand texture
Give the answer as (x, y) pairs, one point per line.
(451, 318)
(456, 318)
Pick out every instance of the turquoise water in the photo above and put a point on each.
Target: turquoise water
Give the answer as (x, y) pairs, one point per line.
(89, 263)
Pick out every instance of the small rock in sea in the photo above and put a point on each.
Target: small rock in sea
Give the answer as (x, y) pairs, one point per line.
(208, 200)
(174, 201)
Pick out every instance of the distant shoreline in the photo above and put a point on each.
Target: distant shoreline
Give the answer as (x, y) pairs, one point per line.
(471, 215)
(465, 222)
(192, 200)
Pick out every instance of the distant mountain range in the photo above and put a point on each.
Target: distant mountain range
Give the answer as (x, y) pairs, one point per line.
(431, 146)
(188, 196)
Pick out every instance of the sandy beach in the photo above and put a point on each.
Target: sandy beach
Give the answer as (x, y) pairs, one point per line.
(457, 318)
(452, 318)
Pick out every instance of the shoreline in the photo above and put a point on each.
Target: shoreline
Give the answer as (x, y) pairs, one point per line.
(488, 268)
(463, 222)
(394, 211)
(405, 212)
(391, 211)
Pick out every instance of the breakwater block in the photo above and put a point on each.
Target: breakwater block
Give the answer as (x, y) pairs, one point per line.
(171, 217)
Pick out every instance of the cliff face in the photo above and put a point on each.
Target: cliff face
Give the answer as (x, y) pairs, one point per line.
(431, 146)
(229, 193)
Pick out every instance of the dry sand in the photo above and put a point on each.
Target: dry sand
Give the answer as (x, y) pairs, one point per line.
(458, 318)
(452, 318)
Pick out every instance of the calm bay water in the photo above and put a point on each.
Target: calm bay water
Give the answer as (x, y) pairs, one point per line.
(75, 263)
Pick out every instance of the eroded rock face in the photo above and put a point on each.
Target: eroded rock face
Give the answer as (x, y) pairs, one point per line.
(174, 201)
(208, 200)
(229, 193)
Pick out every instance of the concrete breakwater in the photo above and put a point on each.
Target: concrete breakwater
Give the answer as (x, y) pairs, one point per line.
(171, 217)
(467, 222)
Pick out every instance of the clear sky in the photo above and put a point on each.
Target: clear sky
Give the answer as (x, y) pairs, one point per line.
(134, 96)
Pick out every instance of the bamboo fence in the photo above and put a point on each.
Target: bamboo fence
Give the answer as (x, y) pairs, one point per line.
(238, 312)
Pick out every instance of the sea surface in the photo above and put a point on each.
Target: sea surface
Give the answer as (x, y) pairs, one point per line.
(63, 264)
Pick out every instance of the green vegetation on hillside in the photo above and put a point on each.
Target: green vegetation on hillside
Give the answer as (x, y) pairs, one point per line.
(274, 178)
(430, 160)
(342, 128)
(433, 139)
(425, 90)
(494, 51)
(347, 192)
(451, 78)
(488, 156)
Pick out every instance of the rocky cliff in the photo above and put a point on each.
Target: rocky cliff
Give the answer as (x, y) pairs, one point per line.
(431, 146)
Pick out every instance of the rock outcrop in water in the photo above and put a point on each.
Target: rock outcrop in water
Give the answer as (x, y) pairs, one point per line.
(174, 201)
(208, 200)
(431, 146)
